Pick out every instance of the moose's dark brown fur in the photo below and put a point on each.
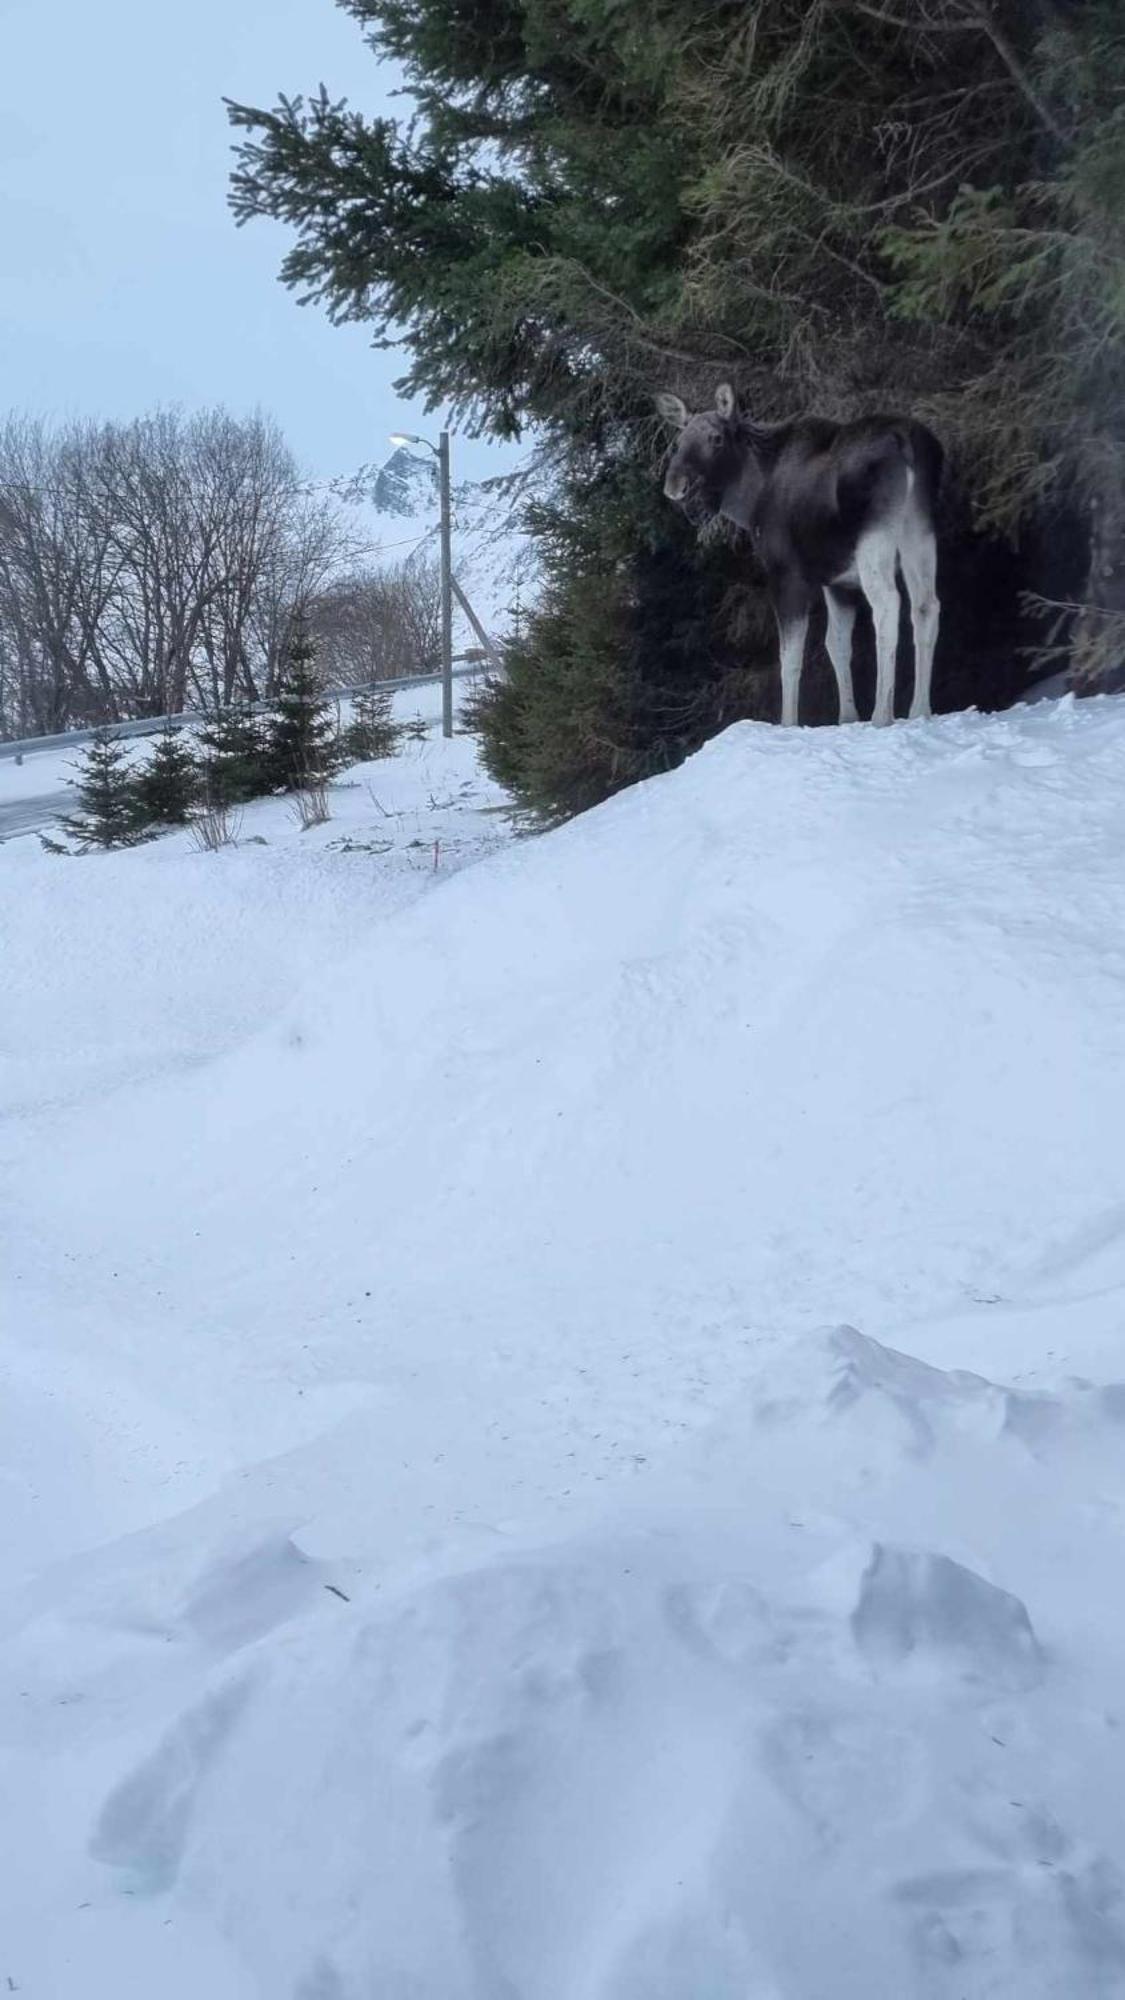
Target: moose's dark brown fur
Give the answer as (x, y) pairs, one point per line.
(838, 508)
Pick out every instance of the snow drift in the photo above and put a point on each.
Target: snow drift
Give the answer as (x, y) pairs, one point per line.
(604, 1434)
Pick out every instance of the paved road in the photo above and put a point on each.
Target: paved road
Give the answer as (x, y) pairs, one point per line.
(27, 815)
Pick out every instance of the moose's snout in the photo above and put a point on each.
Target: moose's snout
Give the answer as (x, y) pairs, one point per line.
(675, 483)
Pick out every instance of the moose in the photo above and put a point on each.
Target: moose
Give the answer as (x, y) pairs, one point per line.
(842, 508)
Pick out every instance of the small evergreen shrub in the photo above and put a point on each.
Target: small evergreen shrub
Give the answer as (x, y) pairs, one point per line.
(372, 732)
(109, 815)
(300, 739)
(235, 767)
(167, 787)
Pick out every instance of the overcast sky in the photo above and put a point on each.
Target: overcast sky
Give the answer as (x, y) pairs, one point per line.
(124, 280)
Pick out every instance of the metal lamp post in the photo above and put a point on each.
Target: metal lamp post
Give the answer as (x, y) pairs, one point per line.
(441, 453)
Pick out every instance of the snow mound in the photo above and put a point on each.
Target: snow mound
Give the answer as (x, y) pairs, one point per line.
(632, 1764)
(581, 1457)
(911, 1602)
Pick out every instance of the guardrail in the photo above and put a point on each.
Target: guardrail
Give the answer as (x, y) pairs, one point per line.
(152, 725)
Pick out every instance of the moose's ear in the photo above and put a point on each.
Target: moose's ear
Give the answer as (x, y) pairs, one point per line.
(672, 409)
(725, 400)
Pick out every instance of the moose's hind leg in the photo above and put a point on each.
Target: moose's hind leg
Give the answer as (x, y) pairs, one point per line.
(840, 605)
(918, 557)
(875, 560)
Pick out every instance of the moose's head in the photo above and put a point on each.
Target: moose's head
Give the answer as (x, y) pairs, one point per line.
(706, 457)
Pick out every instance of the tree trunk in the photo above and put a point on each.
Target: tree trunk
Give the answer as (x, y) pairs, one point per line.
(1098, 655)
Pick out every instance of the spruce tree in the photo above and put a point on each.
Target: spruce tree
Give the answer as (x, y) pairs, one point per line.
(844, 207)
(300, 744)
(107, 795)
(235, 768)
(628, 664)
(168, 785)
(372, 732)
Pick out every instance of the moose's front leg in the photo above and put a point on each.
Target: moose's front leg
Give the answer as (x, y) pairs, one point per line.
(791, 603)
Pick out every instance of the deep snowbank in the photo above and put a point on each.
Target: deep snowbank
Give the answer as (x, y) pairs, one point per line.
(684, 1649)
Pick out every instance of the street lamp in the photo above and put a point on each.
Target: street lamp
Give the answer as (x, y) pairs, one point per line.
(441, 453)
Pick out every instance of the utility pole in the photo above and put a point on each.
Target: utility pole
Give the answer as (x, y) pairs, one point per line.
(446, 589)
(449, 585)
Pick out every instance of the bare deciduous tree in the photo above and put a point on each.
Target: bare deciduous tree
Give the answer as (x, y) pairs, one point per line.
(379, 624)
(57, 576)
(149, 565)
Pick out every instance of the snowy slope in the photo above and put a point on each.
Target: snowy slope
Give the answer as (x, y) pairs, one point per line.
(565, 1438)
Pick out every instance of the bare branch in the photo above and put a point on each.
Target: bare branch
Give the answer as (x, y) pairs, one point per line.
(977, 20)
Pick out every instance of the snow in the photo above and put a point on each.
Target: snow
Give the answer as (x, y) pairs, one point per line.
(562, 1422)
(168, 922)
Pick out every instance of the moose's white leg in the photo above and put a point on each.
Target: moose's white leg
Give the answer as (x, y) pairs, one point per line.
(875, 565)
(838, 642)
(918, 556)
(792, 601)
(794, 631)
